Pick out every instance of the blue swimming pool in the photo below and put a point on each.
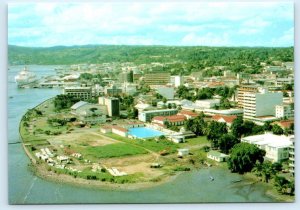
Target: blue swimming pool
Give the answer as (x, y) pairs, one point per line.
(144, 132)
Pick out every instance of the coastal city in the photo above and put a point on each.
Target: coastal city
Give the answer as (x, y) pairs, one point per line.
(122, 123)
(151, 102)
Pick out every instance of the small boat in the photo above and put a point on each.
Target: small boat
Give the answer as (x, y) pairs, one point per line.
(235, 181)
(211, 178)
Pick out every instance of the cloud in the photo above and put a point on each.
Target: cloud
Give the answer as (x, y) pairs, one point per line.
(287, 39)
(189, 23)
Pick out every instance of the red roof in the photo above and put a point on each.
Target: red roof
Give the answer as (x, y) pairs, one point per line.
(227, 119)
(285, 123)
(172, 118)
(120, 128)
(189, 113)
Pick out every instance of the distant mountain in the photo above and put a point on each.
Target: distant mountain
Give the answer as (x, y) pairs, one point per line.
(144, 54)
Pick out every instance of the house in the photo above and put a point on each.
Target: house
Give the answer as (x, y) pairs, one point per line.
(188, 114)
(172, 120)
(276, 147)
(217, 156)
(224, 119)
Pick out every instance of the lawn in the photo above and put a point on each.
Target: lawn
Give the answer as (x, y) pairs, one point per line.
(113, 150)
(200, 140)
(149, 144)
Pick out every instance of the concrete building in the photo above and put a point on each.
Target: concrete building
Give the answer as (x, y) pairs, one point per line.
(284, 111)
(89, 113)
(207, 103)
(146, 116)
(292, 157)
(242, 90)
(176, 80)
(112, 104)
(112, 90)
(129, 89)
(157, 78)
(171, 120)
(83, 93)
(261, 104)
(276, 147)
(126, 76)
(165, 91)
(188, 114)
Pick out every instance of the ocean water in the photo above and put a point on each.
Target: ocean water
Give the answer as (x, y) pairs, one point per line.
(26, 188)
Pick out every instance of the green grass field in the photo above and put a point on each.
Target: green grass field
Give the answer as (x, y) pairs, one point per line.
(113, 150)
(149, 144)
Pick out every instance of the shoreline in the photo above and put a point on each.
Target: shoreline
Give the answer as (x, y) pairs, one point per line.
(40, 170)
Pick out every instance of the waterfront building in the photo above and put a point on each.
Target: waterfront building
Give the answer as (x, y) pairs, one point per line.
(284, 111)
(112, 104)
(217, 156)
(276, 147)
(83, 93)
(157, 78)
(261, 104)
(146, 116)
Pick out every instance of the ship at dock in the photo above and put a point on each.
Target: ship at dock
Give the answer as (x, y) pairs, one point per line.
(25, 78)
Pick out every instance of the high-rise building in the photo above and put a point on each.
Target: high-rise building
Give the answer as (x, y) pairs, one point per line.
(261, 104)
(126, 76)
(284, 110)
(242, 90)
(157, 78)
(112, 104)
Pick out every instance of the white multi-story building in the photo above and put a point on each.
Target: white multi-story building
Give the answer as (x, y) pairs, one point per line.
(276, 147)
(82, 93)
(283, 111)
(176, 80)
(146, 116)
(261, 104)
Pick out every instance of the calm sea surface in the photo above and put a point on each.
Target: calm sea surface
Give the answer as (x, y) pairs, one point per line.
(25, 188)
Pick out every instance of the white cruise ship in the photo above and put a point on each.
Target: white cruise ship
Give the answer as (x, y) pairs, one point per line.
(25, 77)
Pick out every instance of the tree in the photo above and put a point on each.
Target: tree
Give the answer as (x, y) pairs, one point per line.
(237, 127)
(196, 125)
(243, 157)
(226, 142)
(214, 131)
(277, 130)
(284, 186)
(267, 126)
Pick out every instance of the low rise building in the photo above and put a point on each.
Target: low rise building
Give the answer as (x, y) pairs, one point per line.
(207, 103)
(146, 116)
(83, 93)
(217, 156)
(119, 131)
(171, 120)
(188, 114)
(89, 113)
(224, 119)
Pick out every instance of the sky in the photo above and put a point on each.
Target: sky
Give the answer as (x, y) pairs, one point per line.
(269, 24)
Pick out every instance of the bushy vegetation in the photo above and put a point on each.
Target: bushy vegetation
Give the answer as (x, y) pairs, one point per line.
(64, 101)
(189, 59)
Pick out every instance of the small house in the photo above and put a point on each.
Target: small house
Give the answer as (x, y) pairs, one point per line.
(217, 156)
(182, 152)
